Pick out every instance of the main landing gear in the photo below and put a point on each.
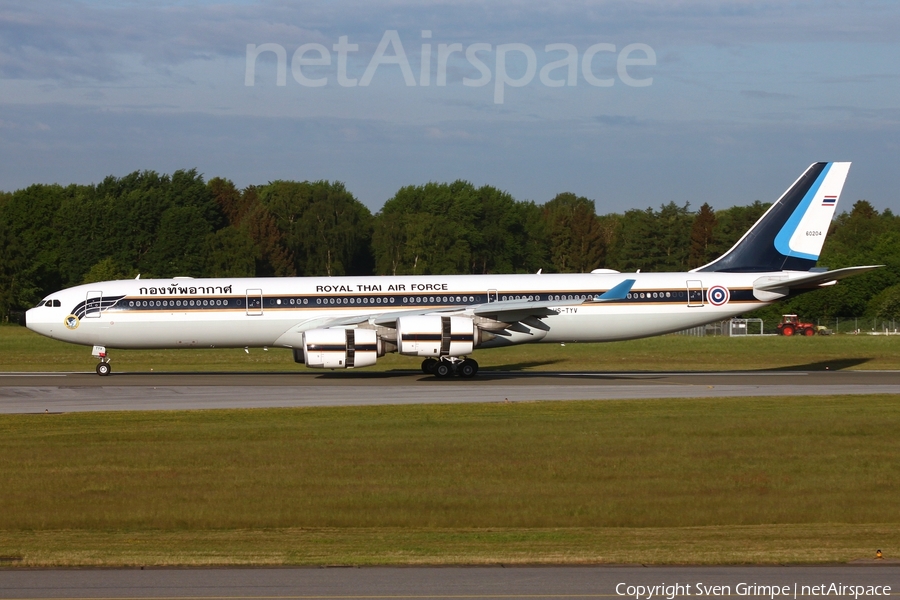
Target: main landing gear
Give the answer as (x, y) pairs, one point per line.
(103, 367)
(450, 365)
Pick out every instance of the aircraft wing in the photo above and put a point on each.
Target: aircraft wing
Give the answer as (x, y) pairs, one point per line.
(513, 311)
(772, 287)
(506, 311)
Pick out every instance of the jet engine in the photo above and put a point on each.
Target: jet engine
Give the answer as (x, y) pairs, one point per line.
(339, 348)
(434, 335)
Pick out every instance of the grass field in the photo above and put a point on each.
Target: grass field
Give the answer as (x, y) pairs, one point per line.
(674, 481)
(23, 350)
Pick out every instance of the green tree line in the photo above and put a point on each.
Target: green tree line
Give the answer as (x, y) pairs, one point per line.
(54, 236)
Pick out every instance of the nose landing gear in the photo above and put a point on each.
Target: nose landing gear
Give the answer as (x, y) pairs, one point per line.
(103, 367)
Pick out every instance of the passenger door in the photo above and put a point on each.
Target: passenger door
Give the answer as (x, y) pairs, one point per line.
(254, 302)
(93, 303)
(694, 293)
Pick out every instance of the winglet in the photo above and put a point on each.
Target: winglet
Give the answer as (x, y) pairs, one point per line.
(618, 292)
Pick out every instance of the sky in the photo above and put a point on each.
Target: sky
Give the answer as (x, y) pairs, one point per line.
(633, 103)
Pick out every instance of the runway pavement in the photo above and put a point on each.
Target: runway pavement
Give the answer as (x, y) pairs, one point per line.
(470, 583)
(78, 392)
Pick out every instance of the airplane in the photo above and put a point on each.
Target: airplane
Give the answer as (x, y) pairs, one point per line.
(349, 322)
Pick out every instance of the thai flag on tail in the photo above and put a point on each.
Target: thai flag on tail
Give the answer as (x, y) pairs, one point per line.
(829, 200)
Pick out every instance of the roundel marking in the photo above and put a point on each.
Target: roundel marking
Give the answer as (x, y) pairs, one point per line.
(718, 295)
(71, 322)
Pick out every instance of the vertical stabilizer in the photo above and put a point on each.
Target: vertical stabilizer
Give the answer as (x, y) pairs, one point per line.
(789, 236)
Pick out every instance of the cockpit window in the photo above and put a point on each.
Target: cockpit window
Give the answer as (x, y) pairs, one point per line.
(56, 303)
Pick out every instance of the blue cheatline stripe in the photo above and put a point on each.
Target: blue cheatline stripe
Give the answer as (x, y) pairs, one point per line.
(783, 239)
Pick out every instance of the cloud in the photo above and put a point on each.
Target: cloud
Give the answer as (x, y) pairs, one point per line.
(94, 88)
(439, 133)
(619, 121)
(861, 78)
(759, 94)
(64, 39)
(720, 162)
(69, 39)
(863, 115)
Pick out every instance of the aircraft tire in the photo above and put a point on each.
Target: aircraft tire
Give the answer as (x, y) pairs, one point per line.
(468, 368)
(443, 369)
(103, 369)
(428, 366)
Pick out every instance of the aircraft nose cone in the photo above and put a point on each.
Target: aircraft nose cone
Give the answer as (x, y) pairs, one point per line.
(37, 324)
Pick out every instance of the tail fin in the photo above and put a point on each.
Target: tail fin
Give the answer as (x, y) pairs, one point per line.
(789, 236)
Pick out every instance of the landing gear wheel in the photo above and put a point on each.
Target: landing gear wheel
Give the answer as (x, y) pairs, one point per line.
(103, 369)
(468, 368)
(428, 366)
(443, 369)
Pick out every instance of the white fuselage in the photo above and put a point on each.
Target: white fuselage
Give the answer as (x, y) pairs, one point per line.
(236, 312)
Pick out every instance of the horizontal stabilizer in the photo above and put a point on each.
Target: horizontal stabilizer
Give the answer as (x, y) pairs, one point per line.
(773, 287)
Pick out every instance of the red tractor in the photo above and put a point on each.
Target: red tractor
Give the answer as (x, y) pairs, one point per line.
(791, 325)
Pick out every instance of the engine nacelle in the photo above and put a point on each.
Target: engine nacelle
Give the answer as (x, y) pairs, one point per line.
(338, 348)
(434, 335)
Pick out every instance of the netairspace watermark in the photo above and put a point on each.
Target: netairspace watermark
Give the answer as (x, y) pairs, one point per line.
(563, 71)
(754, 590)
